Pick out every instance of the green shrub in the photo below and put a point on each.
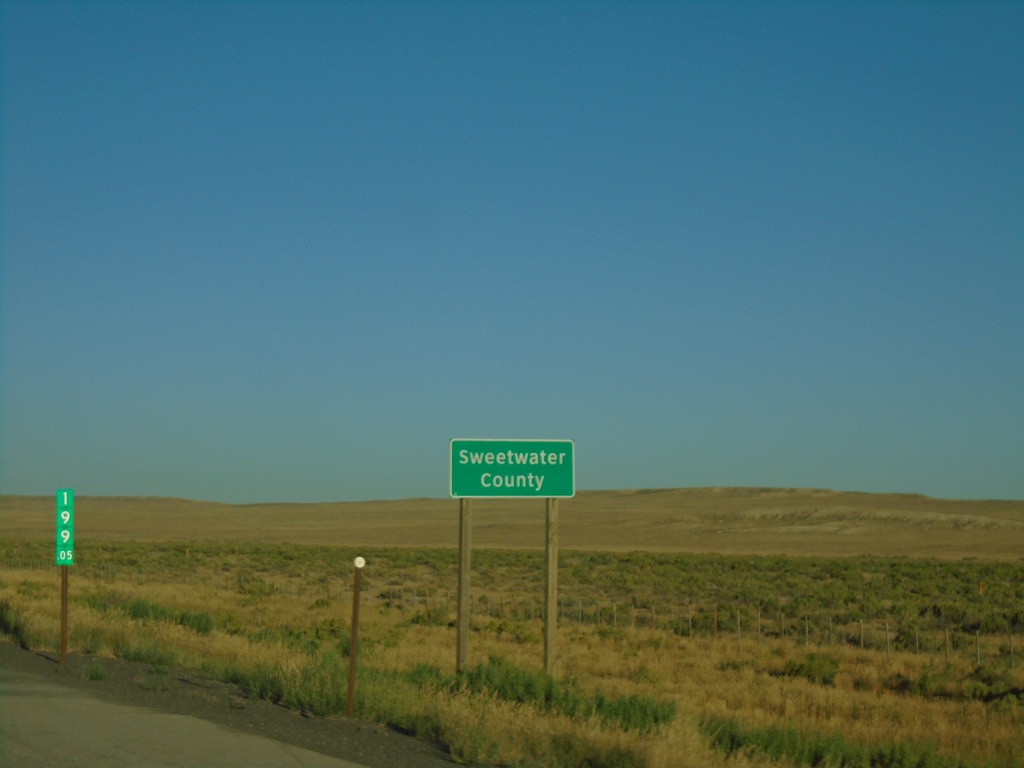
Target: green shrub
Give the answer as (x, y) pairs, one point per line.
(798, 748)
(140, 609)
(817, 668)
(146, 651)
(253, 586)
(635, 713)
(94, 671)
(569, 752)
(398, 700)
(264, 681)
(434, 616)
(988, 683)
(523, 686)
(423, 675)
(535, 687)
(201, 623)
(321, 687)
(12, 625)
(143, 610)
(500, 678)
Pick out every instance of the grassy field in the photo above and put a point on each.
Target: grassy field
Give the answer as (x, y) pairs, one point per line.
(757, 521)
(817, 648)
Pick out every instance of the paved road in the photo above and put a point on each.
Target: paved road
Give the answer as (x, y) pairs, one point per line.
(46, 725)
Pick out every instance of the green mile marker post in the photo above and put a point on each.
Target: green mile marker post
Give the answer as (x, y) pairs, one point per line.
(65, 527)
(65, 556)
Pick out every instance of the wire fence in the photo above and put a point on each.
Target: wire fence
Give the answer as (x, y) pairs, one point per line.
(689, 619)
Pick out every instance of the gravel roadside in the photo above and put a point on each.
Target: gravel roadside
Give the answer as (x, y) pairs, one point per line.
(182, 692)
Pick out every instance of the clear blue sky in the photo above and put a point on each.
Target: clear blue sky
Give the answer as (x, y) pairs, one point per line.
(287, 251)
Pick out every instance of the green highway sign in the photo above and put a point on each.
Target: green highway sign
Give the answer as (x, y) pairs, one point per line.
(513, 468)
(65, 526)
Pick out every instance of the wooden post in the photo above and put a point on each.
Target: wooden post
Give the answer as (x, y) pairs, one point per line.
(64, 614)
(551, 588)
(977, 645)
(353, 648)
(462, 643)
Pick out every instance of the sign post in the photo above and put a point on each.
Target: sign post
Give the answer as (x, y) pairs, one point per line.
(462, 639)
(551, 586)
(65, 556)
(511, 469)
(353, 646)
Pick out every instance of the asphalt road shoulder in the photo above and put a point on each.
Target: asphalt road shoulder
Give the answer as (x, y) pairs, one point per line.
(102, 711)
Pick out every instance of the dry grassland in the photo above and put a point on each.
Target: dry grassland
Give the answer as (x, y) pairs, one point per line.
(255, 594)
(287, 646)
(724, 520)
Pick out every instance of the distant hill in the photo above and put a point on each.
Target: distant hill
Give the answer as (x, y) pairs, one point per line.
(785, 521)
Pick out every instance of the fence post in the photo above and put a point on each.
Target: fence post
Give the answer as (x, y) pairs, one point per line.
(977, 645)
